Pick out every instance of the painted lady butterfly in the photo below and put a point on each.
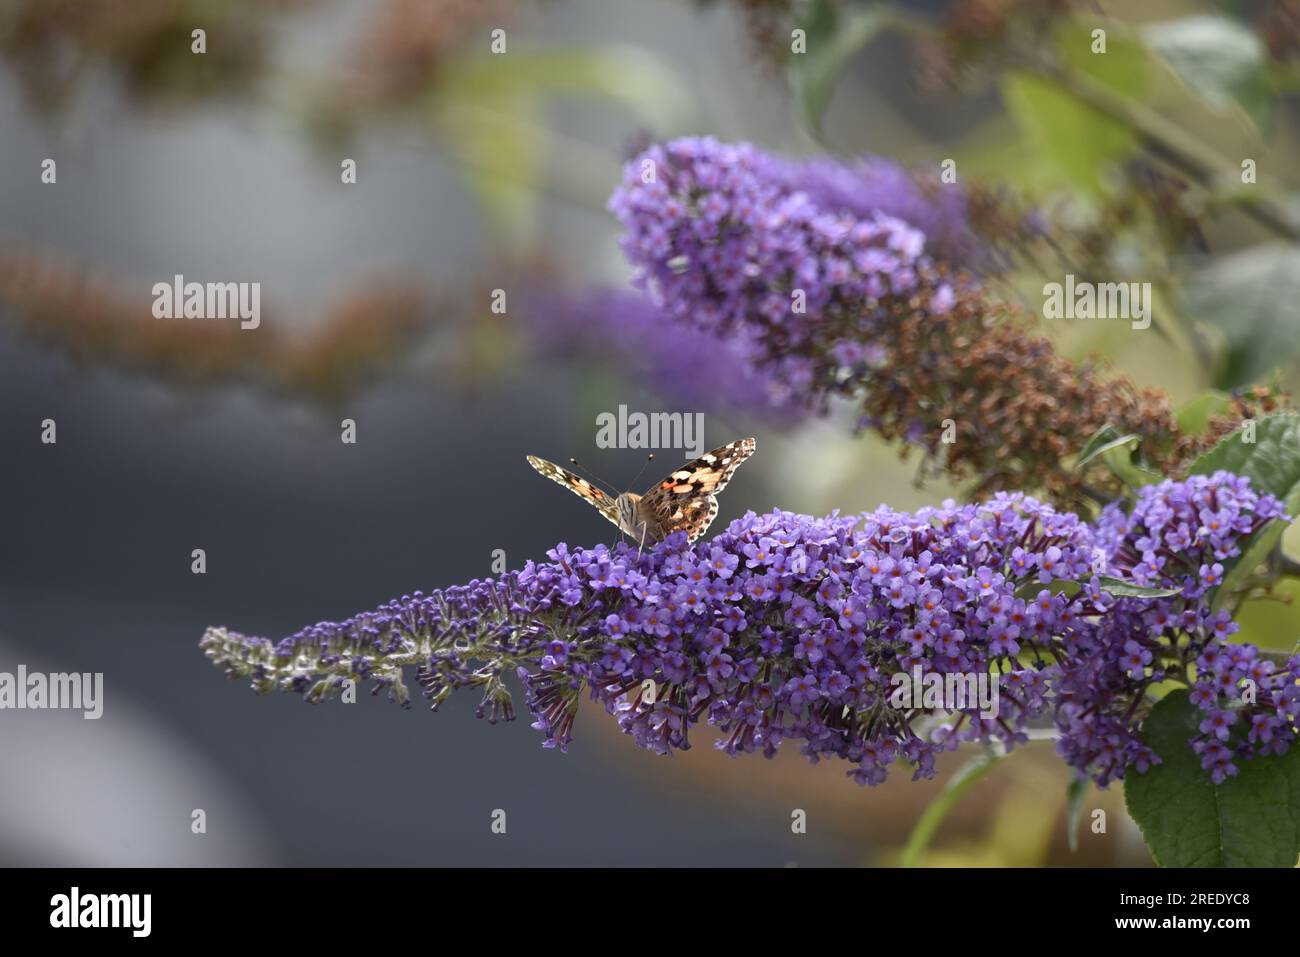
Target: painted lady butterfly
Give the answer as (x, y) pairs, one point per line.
(685, 501)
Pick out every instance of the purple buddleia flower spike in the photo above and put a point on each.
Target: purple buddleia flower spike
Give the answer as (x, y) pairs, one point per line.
(869, 638)
(781, 259)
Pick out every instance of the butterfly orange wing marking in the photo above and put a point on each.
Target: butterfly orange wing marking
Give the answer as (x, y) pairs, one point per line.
(686, 499)
(578, 486)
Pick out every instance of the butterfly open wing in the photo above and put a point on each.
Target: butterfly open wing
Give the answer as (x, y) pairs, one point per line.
(686, 499)
(577, 485)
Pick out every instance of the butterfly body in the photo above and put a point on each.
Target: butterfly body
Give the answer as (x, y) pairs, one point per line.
(634, 520)
(685, 500)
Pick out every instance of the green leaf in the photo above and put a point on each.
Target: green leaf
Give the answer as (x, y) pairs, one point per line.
(1057, 586)
(1077, 140)
(834, 36)
(1125, 67)
(1116, 451)
(1252, 820)
(628, 76)
(498, 146)
(1194, 417)
(1105, 436)
(1074, 795)
(1253, 297)
(1119, 460)
(963, 780)
(1123, 589)
(1220, 60)
(489, 109)
(1111, 586)
(1105, 439)
(1272, 463)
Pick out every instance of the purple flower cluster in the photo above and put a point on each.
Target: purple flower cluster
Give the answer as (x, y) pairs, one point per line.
(791, 627)
(869, 185)
(786, 626)
(1179, 535)
(446, 634)
(877, 200)
(782, 257)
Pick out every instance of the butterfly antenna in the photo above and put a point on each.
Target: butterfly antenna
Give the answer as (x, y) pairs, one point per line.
(648, 459)
(590, 476)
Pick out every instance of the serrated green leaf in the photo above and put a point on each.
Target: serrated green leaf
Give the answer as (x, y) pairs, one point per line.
(1252, 820)
(1271, 462)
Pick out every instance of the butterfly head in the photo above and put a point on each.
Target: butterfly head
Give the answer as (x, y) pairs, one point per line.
(629, 514)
